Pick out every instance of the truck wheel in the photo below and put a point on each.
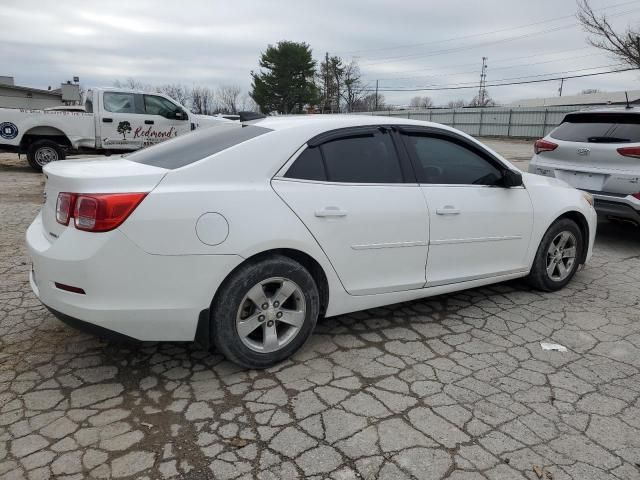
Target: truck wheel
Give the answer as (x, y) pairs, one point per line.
(42, 152)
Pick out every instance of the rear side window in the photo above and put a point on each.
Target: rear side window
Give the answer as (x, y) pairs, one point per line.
(119, 102)
(599, 128)
(308, 166)
(196, 145)
(359, 158)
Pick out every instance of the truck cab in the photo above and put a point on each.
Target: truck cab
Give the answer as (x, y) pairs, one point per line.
(113, 120)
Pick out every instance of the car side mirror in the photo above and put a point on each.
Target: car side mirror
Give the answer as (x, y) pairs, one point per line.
(511, 179)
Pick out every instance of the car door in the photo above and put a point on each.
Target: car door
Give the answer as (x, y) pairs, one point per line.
(163, 120)
(478, 228)
(360, 201)
(121, 116)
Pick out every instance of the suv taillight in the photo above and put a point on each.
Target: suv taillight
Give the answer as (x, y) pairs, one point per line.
(636, 195)
(544, 146)
(96, 212)
(630, 152)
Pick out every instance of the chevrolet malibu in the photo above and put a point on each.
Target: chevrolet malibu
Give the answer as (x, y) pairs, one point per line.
(242, 235)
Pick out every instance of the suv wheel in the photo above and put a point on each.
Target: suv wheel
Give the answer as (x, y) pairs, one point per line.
(264, 312)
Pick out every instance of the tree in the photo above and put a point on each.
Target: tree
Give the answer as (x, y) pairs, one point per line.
(247, 104)
(457, 103)
(124, 128)
(421, 102)
(329, 79)
(353, 90)
(368, 103)
(203, 101)
(485, 101)
(180, 93)
(624, 45)
(228, 98)
(133, 84)
(285, 82)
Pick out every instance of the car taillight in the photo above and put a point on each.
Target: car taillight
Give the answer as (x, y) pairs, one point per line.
(64, 207)
(97, 212)
(636, 195)
(630, 152)
(544, 146)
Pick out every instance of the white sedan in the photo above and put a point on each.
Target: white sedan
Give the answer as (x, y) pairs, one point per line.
(240, 236)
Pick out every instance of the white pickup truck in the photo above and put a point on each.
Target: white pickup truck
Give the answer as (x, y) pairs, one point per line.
(112, 121)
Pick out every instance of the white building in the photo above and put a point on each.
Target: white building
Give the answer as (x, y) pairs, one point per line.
(600, 98)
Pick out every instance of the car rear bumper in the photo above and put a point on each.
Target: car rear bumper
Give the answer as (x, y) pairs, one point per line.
(127, 291)
(624, 207)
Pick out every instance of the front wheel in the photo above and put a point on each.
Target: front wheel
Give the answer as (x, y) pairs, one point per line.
(264, 312)
(42, 152)
(558, 256)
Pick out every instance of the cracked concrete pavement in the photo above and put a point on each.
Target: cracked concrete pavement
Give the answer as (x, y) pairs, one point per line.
(454, 386)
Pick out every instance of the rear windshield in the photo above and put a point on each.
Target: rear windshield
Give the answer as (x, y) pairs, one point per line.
(196, 145)
(599, 128)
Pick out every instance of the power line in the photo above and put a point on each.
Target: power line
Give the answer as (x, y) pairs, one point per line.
(483, 33)
(498, 61)
(482, 44)
(511, 83)
(457, 74)
(475, 84)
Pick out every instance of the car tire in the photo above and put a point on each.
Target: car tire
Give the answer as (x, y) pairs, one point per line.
(558, 256)
(42, 152)
(243, 330)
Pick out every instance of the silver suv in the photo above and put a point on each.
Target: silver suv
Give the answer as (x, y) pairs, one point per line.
(597, 151)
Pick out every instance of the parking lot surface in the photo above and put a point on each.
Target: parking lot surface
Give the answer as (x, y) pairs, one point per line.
(455, 386)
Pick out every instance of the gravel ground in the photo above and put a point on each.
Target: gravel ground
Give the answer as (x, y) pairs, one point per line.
(454, 387)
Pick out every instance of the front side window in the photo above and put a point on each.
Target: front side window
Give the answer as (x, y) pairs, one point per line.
(155, 105)
(119, 102)
(443, 161)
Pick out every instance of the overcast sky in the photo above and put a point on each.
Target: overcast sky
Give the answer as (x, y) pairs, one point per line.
(404, 44)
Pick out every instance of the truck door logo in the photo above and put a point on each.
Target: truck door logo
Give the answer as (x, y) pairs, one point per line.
(124, 128)
(8, 130)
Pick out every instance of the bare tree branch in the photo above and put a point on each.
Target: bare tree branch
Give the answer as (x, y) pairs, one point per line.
(625, 46)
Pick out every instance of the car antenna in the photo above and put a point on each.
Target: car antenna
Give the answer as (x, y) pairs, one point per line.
(626, 94)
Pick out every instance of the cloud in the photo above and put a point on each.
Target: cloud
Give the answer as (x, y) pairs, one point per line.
(402, 44)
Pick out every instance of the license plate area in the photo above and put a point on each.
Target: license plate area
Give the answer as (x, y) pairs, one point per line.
(582, 180)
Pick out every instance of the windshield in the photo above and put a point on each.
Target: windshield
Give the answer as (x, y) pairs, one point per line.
(599, 128)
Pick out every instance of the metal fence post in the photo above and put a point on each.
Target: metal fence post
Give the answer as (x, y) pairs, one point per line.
(430, 114)
(453, 122)
(408, 114)
(509, 122)
(480, 127)
(544, 122)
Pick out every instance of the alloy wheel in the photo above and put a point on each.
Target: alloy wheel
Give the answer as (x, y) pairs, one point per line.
(561, 256)
(271, 314)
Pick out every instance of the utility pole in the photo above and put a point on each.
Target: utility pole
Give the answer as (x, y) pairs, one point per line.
(561, 85)
(483, 82)
(376, 96)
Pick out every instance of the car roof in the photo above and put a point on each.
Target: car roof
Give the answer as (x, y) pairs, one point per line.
(323, 123)
(617, 109)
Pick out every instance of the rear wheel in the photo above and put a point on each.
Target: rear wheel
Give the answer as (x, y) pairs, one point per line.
(42, 152)
(558, 256)
(265, 312)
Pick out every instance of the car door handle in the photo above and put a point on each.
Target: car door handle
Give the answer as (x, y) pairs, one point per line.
(448, 210)
(107, 120)
(148, 122)
(331, 212)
